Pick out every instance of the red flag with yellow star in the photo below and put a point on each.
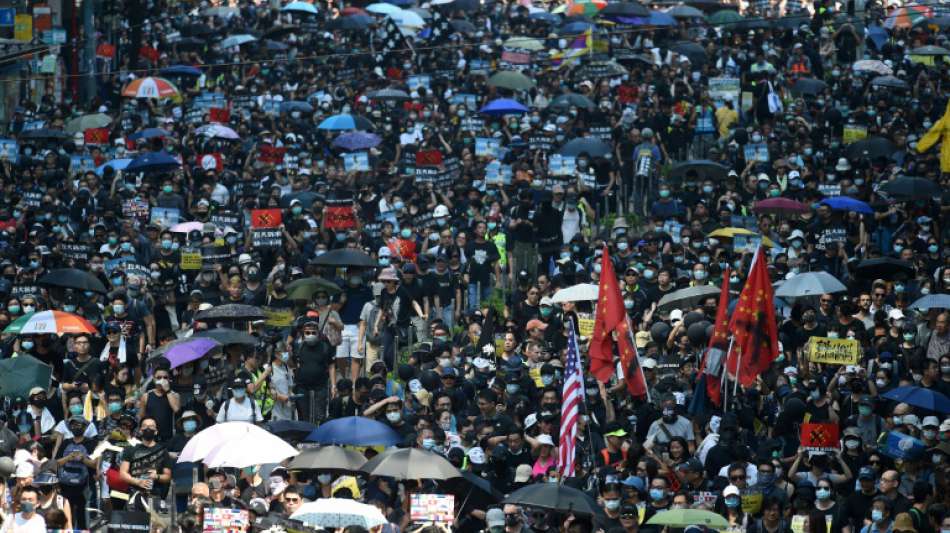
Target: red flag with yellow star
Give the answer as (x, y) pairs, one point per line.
(753, 326)
(610, 313)
(711, 364)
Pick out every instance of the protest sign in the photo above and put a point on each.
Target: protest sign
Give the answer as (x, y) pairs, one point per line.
(129, 522)
(746, 243)
(165, 217)
(819, 436)
(833, 351)
(487, 146)
(190, 260)
(356, 162)
(278, 318)
(218, 520)
(265, 218)
(432, 508)
(267, 238)
(135, 208)
(224, 219)
(722, 88)
(853, 133)
(77, 252)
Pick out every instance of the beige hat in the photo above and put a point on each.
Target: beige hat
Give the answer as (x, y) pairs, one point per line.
(388, 274)
(522, 473)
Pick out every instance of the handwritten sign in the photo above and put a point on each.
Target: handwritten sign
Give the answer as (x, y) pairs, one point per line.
(585, 327)
(432, 508)
(820, 437)
(191, 260)
(833, 351)
(278, 318)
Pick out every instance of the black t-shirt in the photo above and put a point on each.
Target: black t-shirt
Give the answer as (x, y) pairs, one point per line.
(142, 459)
(442, 285)
(89, 372)
(482, 257)
(314, 361)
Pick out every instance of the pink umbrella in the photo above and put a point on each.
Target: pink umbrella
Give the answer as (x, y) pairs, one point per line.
(187, 227)
(780, 206)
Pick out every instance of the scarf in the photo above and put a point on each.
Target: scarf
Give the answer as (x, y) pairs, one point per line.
(106, 354)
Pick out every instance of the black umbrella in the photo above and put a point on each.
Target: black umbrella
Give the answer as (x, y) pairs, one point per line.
(228, 336)
(280, 31)
(567, 100)
(328, 458)
(190, 43)
(291, 430)
(883, 267)
(555, 497)
(809, 86)
(910, 188)
(463, 26)
(354, 22)
(197, 29)
(891, 82)
(704, 168)
(306, 198)
(695, 52)
(625, 9)
(749, 24)
(592, 146)
(73, 278)
(871, 148)
(395, 95)
(345, 257)
(232, 312)
(472, 491)
(44, 133)
(410, 463)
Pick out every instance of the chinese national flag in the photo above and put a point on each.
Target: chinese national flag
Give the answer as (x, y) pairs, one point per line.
(819, 436)
(271, 154)
(149, 53)
(96, 136)
(753, 327)
(428, 158)
(219, 114)
(265, 218)
(718, 344)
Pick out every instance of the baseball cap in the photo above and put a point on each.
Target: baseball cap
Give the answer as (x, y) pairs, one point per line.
(495, 517)
(522, 473)
(945, 425)
(731, 490)
(614, 430)
(692, 465)
(545, 439)
(930, 421)
(866, 473)
(634, 482)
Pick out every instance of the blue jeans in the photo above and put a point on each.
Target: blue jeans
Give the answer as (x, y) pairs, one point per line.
(474, 300)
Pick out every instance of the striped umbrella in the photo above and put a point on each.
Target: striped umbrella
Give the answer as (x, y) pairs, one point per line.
(907, 16)
(49, 322)
(150, 87)
(586, 8)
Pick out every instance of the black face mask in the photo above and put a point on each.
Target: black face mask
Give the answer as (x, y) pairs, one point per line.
(149, 434)
(512, 520)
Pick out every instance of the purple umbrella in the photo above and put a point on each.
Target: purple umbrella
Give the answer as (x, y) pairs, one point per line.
(357, 140)
(184, 351)
(503, 106)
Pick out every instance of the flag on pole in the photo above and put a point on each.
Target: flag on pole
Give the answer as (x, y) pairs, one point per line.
(581, 45)
(572, 395)
(711, 365)
(753, 326)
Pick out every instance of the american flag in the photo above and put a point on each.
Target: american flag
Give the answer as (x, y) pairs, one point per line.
(572, 396)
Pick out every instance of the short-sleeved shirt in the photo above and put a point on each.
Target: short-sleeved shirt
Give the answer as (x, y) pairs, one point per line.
(682, 427)
(142, 459)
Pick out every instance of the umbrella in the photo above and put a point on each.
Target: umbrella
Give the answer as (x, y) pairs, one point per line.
(575, 28)
(681, 518)
(333, 458)
(780, 206)
(292, 430)
(503, 106)
(21, 373)
(353, 10)
(809, 86)
(587, 8)
(231, 312)
(659, 18)
(729, 233)
(389, 95)
(929, 50)
(525, 43)
(545, 17)
(871, 148)
(686, 298)
(890, 82)
(357, 140)
(930, 400)
(846, 203)
(684, 12)
(49, 322)
(810, 284)
(724, 16)
(338, 513)
(183, 351)
(250, 450)
(217, 131)
(115, 164)
(181, 70)
(227, 336)
(555, 497)
(625, 9)
(300, 7)
(382, 8)
(410, 463)
(221, 11)
(188, 227)
(592, 146)
(910, 188)
(346, 122)
(237, 40)
(473, 491)
(568, 100)
(750, 24)
(703, 167)
(424, 13)
(209, 438)
(85, 122)
(942, 22)
(295, 105)
(907, 16)
(344, 257)
(464, 26)
(305, 288)
(407, 18)
(355, 431)
(352, 22)
(306, 198)
(150, 87)
(932, 301)
(883, 267)
(576, 293)
(872, 65)
(693, 51)
(73, 278)
(278, 32)
(149, 133)
(153, 162)
(512, 80)
(44, 133)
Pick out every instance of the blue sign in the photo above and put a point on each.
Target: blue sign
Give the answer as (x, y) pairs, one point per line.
(7, 16)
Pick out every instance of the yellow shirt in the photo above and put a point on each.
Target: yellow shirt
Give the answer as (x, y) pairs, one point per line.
(725, 118)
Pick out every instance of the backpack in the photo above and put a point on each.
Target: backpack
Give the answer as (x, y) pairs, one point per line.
(227, 404)
(74, 473)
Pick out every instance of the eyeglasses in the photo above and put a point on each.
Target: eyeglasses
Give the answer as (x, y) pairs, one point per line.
(292, 500)
(628, 516)
(736, 478)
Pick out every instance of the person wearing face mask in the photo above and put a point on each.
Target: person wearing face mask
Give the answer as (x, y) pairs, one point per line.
(146, 466)
(670, 425)
(730, 506)
(81, 371)
(26, 519)
(161, 403)
(281, 384)
(241, 407)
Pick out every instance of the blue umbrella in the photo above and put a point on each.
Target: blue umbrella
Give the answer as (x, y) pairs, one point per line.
(357, 140)
(503, 106)
(575, 28)
(149, 133)
(544, 16)
(115, 164)
(878, 36)
(846, 203)
(181, 70)
(355, 431)
(920, 397)
(659, 18)
(345, 122)
(400, 3)
(295, 105)
(300, 7)
(932, 301)
(153, 162)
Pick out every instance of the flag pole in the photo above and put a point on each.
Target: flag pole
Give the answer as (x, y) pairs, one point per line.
(725, 373)
(636, 353)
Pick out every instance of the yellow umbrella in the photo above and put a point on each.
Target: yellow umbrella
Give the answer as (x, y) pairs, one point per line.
(728, 233)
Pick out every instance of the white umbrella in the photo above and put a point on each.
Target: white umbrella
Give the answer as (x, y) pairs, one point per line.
(408, 19)
(576, 293)
(810, 284)
(337, 513)
(301, 7)
(237, 40)
(382, 8)
(872, 65)
(198, 447)
(218, 130)
(252, 449)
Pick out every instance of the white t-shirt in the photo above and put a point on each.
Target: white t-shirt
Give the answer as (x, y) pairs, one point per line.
(36, 524)
(239, 412)
(63, 429)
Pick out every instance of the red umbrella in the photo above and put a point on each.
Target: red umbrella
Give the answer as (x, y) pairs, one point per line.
(347, 11)
(780, 206)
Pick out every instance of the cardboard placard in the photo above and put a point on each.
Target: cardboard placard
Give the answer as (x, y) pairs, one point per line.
(833, 351)
(278, 318)
(135, 208)
(219, 520)
(820, 436)
(267, 238)
(356, 162)
(224, 219)
(585, 326)
(432, 508)
(165, 217)
(191, 260)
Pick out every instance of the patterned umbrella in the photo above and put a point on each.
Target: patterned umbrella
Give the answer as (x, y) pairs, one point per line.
(907, 16)
(48, 322)
(587, 8)
(218, 131)
(357, 140)
(150, 87)
(337, 513)
(85, 122)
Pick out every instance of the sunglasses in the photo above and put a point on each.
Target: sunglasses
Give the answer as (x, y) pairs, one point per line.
(737, 478)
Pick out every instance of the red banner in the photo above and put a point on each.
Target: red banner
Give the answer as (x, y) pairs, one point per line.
(820, 436)
(105, 50)
(265, 218)
(210, 162)
(339, 217)
(271, 154)
(149, 53)
(219, 114)
(428, 158)
(96, 136)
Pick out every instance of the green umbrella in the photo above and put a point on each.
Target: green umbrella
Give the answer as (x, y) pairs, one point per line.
(85, 122)
(724, 16)
(20, 374)
(511, 79)
(304, 289)
(688, 517)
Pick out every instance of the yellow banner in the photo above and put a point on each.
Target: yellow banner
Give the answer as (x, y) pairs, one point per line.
(833, 351)
(585, 327)
(854, 133)
(191, 260)
(752, 503)
(23, 28)
(923, 60)
(278, 318)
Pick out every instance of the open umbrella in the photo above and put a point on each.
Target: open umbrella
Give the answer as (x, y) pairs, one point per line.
(21, 373)
(809, 86)
(218, 131)
(941, 22)
(49, 322)
(704, 168)
(724, 16)
(198, 446)
(181, 71)
(305, 288)
(227, 336)
(231, 312)
(932, 301)
(930, 400)
(524, 43)
(410, 463)
(281, 31)
(183, 351)
(150, 87)
(555, 497)
(681, 518)
(889, 82)
(729, 233)
(85, 122)
(382, 8)
(582, 292)
(686, 298)
(907, 16)
(810, 284)
(407, 19)
(339, 513)
(871, 148)
(463, 26)
(250, 450)
(872, 65)
(512, 80)
(115, 164)
(343, 257)
(685, 12)
(328, 458)
(471, 490)
(153, 162)
(625, 9)
(910, 188)
(150, 133)
(357, 140)
(846, 203)
(503, 106)
(44, 133)
(72, 278)
(883, 267)
(929, 50)
(221, 11)
(295, 105)
(237, 40)
(188, 227)
(290, 430)
(780, 206)
(355, 431)
(568, 100)
(592, 146)
(389, 94)
(346, 122)
(695, 52)
(300, 7)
